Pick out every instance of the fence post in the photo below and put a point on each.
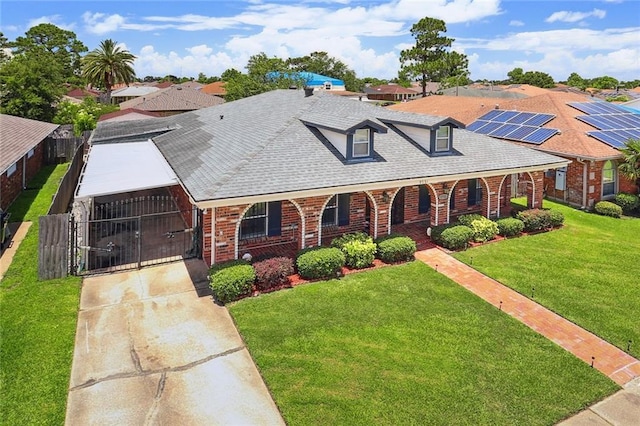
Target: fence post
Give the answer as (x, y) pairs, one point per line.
(53, 246)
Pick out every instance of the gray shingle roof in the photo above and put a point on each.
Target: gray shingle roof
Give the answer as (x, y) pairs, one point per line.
(260, 145)
(174, 98)
(18, 136)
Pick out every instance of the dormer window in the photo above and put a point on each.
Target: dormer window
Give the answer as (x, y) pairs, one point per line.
(443, 138)
(361, 142)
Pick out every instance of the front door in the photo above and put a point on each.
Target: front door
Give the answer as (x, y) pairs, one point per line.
(397, 209)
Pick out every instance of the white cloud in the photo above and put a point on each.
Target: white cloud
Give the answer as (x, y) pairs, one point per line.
(199, 59)
(566, 16)
(52, 19)
(516, 23)
(101, 23)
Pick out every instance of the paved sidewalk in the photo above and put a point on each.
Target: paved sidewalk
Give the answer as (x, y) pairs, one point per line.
(621, 408)
(149, 351)
(611, 361)
(18, 232)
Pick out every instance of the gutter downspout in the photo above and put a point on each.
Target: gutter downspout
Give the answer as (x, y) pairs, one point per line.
(584, 181)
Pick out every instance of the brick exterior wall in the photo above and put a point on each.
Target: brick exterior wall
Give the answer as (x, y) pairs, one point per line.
(184, 205)
(626, 185)
(11, 186)
(223, 235)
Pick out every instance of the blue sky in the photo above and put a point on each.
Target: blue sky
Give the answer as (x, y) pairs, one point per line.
(183, 38)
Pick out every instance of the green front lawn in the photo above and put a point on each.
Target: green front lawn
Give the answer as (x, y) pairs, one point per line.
(405, 345)
(37, 323)
(587, 272)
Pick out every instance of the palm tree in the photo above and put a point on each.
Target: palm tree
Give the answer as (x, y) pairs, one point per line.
(108, 65)
(631, 166)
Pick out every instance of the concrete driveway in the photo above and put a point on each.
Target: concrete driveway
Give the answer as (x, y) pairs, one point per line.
(150, 351)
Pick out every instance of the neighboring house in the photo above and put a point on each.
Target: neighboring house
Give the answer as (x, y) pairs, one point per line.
(216, 88)
(390, 92)
(191, 85)
(22, 148)
(80, 94)
(173, 100)
(293, 167)
(132, 92)
(592, 174)
(127, 115)
(314, 81)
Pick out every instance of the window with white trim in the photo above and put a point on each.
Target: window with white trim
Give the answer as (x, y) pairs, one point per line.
(330, 214)
(608, 179)
(12, 169)
(361, 143)
(443, 136)
(254, 222)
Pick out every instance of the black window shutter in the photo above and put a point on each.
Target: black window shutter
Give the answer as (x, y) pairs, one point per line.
(343, 209)
(275, 218)
(424, 199)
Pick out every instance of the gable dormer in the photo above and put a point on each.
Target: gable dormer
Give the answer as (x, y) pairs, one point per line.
(353, 137)
(433, 134)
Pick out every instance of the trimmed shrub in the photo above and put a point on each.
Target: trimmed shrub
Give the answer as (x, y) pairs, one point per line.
(436, 232)
(232, 282)
(340, 241)
(509, 226)
(628, 202)
(272, 272)
(483, 229)
(220, 266)
(535, 219)
(607, 208)
(556, 218)
(467, 219)
(320, 263)
(456, 237)
(359, 254)
(396, 249)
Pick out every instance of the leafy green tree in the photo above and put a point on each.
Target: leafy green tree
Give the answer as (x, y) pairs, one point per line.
(428, 59)
(538, 79)
(575, 80)
(108, 65)
(516, 76)
(4, 49)
(230, 74)
(630, 168)
(604, 82)
(323, 64)
(203, 79)
(30, 84)
(83, 116)
(61, 46)
(262, 68)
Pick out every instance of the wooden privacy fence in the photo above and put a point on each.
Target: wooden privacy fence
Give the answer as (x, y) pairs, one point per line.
(61, 150)
(54, 249)
(67, 187)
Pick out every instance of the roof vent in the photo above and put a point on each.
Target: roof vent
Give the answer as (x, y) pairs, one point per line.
(221, 116)
(497, 106)
(308, 91)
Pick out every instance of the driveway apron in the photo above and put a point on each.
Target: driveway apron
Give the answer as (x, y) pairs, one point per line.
(149, 351)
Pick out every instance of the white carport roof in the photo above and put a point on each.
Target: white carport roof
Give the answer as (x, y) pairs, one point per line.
(123, 167)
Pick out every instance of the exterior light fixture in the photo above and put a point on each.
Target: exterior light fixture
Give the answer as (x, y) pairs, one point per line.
(385, 197)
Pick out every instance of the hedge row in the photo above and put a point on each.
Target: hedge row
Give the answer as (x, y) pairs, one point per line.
(474, 227)
(232, 280)
(628, 202)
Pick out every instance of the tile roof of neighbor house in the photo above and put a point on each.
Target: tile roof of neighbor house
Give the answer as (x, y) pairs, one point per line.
(482, 92)
(18, 136)
(128, 114)
(572, 139)
(192, 85)
(390, 89)
(215, 88)
(163, 84)
(174, 98)
(260, 145)
(134, 91)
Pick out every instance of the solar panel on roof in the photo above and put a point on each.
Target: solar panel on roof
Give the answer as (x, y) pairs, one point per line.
(625, 133)
(521, 118)
(540, 135)
(597, 108)
(608, 137)
(491, 114)
(476, 125)
(596, 121)
(539, 119)
(504, 130)
(488, 128)
(521, 132)
(505, 116)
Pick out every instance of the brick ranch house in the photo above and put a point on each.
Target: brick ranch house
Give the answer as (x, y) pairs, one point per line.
(23, 154)
(299, 168)
(592, 174)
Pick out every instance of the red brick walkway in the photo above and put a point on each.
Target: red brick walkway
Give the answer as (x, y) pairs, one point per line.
(613, 362)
